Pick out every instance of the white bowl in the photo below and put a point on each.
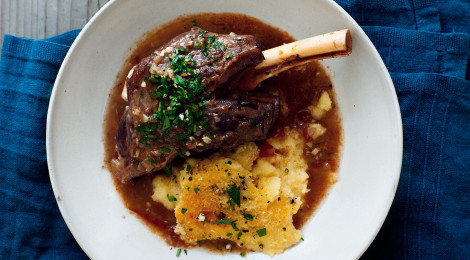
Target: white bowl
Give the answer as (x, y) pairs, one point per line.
(349, 217)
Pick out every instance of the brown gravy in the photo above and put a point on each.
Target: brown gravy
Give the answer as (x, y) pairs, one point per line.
(299, 88)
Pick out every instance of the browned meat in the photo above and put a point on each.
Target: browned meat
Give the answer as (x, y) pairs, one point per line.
(218, 57)
(236, 121)
(231, 122)
(173, 108)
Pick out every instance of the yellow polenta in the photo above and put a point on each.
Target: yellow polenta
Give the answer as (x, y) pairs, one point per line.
(271, 189)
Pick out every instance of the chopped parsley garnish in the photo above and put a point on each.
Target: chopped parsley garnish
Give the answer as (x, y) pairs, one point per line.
(164, 149)
(188, 167)
(234, 194)
(146, 131)
(211, 39)
(248, 216)
(196, 190)
(167, 171)
(230, 203)
(180, 154)
(228, 222)
(218, 44)
(211, 47)
(151, 160)
(261, 232)
(171, 198)
(194, 23)
(229, 234)
(228, 162)
(183, 210)
(178, 253)
(166, 122)
(302, 238)
(181, 136)
(239, 234)
(180, 100)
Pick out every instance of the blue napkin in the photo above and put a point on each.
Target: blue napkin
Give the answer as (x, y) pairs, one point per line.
(30, 222)
(425, 44)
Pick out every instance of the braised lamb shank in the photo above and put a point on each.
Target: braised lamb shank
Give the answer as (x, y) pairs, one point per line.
(192, 94)
(178, 103)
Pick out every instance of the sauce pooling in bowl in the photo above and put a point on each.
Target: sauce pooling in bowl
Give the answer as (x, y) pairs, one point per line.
(302, 92)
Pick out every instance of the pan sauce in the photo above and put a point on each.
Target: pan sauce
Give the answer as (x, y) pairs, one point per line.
(298, 89)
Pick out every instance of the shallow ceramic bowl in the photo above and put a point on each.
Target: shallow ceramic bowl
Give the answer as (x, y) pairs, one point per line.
(349, 217)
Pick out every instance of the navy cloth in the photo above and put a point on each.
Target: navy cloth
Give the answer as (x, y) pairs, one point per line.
(30, 222)
(425, 44)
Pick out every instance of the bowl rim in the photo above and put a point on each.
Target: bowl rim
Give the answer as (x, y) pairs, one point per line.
(109, 5)
(398, 119)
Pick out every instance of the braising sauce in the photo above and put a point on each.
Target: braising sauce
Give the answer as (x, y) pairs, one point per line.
(298, 88)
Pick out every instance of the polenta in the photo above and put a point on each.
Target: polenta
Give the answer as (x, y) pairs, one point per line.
(239, 196)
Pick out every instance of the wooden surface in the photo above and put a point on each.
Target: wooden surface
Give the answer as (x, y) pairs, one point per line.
(40, 19)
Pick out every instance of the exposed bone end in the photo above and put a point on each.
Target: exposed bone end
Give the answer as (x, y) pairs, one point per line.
(131, 72)
(124, 89)
(321, 45)
(284, 57)
(124, 92)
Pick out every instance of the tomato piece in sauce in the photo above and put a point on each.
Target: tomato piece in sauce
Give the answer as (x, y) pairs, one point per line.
(266, 150)
(277, 133)
(304, 116)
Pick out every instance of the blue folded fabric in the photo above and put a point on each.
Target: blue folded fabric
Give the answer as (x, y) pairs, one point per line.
(429, 216)
(408, 51)
(416, 14)
(425, 44)
(30, 222)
